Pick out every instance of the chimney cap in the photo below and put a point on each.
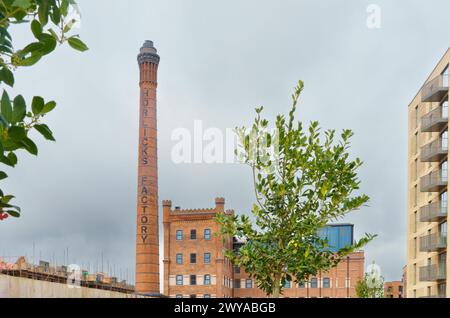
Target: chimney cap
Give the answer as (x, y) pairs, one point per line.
(148, 53)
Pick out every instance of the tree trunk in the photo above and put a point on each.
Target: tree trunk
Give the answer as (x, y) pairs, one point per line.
(276, 286)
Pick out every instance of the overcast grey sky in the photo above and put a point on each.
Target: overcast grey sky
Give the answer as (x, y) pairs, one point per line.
(218, 61)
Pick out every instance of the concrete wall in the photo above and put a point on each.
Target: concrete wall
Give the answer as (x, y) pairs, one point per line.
(17, 287)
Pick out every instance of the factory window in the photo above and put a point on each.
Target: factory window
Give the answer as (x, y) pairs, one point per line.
(179, 280)
(207, 296)
(193, 234)
(237, 283)
(326, 282)
(179, 235)
(248, 283)
(207, 258)
(179, 258)
(207, 279)
(314, 282)
(193, 280)
(179, 296)
(287, 284)
(193, 258)
(207, 234)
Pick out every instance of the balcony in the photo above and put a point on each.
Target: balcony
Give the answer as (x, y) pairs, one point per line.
(435, 120)
(433, 242)
(435, 90)
(434, 182)
(433, 212)
(434, 151)
(431, 273)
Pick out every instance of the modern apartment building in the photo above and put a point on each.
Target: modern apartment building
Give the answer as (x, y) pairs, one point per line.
(194, 264)
(427, 264)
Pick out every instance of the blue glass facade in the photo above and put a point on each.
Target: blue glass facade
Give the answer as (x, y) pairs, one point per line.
(338, 236)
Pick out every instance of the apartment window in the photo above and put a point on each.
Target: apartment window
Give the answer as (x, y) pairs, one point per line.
(445, 77)
(248, 283)
(193, 296)
(443, 200)
(193, 280)
(179, 258)
(287, 284)
(444, 107)
(444, 170)
(237, 269)
(207, 234)
(415, 247)
(193, 234)
(206, 296)
(179, 296)
(237, 283)
(416, 169)
(416, 110)
(179, 280)
(415, 195)
(326, 282)
(207, 258)
(193, 258)
(443, 229)
(207, 279)
(444, 140)
(179, 235)
(416, 143)
(415, 222)
(414, 273)
(301, 285)
(314, 282)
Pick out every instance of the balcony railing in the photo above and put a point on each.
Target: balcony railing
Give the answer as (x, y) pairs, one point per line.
(434, 181)
(433, 242)
(435, 90)
(434, 151)
(432, 273)
(433, 212)
(435, 120)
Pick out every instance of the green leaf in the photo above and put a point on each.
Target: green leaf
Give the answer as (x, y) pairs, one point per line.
(3, 175)
(45, 131)
(33, 48)
(56, 15)
(19, 110)
(30, 146)
(37, 105)
(7, 76)
(64, 7)
(43, 12)
(6, 107)
(49, 43)
(31, 60)
(16, 133)
(77, 44)
(24, 4)
(36, 28)
(48, 107)
(13, 213)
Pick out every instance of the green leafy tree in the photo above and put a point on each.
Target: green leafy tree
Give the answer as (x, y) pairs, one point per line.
(50, 24)
(370, 287)
(301, 182)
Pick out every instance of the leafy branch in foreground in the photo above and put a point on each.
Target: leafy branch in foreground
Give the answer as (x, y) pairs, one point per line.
(50, 23)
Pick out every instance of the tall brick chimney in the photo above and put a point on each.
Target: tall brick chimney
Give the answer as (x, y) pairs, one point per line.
(147, 239)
